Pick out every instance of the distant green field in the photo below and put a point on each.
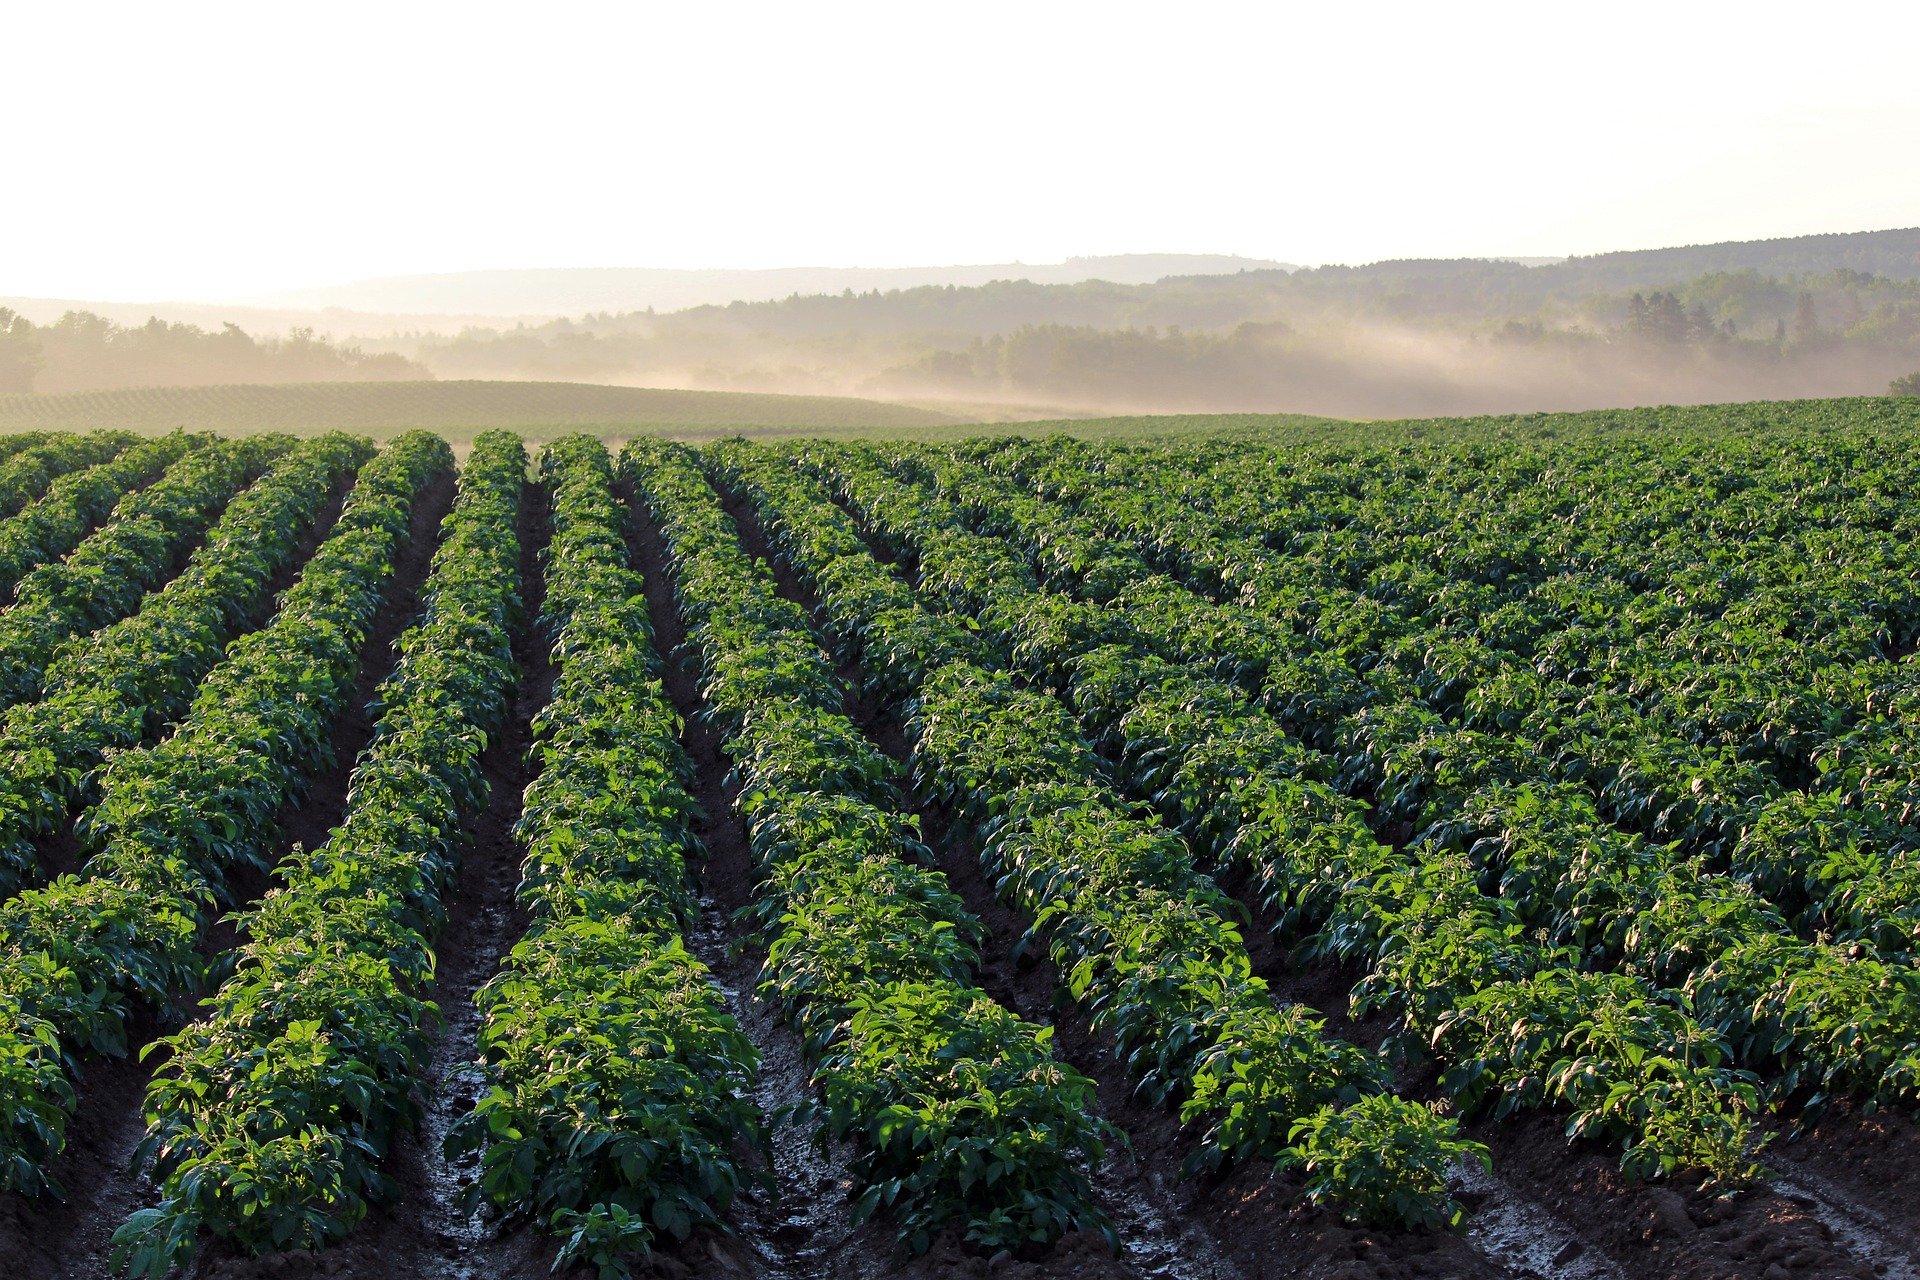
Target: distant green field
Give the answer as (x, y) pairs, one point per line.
(544, 410)
(1896, 416)
(454, 409)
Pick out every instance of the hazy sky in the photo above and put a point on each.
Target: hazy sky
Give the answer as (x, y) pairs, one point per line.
(214, 150)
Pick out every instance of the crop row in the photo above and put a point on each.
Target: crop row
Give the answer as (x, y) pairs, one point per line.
(126, 682)
(267, 1122)
(20, 441)
(1715, 673)
(618, 1088)
(1513, 1018)
(27, 473)
(174, 819)
(959, 1114)
(49, 527)
(104, 578)
(1614, 899)
(1146, 943)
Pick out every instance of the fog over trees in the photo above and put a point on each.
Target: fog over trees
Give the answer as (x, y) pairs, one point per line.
(82, 351)
(1809, 316)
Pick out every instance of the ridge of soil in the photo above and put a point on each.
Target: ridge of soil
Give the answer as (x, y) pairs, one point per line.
(70, 1239)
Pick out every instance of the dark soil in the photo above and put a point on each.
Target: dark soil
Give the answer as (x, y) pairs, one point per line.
(70, 1239)
(1875, 1158)
(1866, 1165)
(1668, 1230)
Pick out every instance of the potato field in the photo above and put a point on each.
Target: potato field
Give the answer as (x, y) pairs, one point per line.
(1465, 850)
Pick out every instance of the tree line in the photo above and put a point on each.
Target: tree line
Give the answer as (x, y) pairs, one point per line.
(82, 351)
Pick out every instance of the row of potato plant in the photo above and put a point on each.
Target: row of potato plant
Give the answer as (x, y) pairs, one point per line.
(961, 1116)
(50, 527)
(1150, 947)
(618, 1089)
(1786, 1003)
(27, 473)
(127, 682)
(268, 1119)
(172, 820)
(20, 441)
(1791, 556)
(105, 577)
(1639, 669)
(1451, 960)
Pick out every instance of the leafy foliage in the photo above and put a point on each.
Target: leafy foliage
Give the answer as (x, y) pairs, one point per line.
(268, 1119)
(1150, 947)
(84, 951)
(619, 1087)
(962, 1115)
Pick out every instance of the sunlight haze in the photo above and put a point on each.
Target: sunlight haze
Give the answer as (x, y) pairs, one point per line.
(226, 151)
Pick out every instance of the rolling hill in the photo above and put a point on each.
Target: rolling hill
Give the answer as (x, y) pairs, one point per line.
(456, 409)
(574, 291)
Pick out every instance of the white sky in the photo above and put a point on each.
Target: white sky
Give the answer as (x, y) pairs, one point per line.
(197, 150)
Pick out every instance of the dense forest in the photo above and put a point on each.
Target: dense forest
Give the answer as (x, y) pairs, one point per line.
(85, 352)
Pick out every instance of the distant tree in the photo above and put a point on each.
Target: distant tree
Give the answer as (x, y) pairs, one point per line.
(86, 352)
(1660, 318)
(1806, 318)
(20, 354)
(1700, 326)
(1517, 332)
(1907, 386)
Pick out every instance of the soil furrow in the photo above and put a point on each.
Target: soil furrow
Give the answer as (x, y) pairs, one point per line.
(1869, 1162)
